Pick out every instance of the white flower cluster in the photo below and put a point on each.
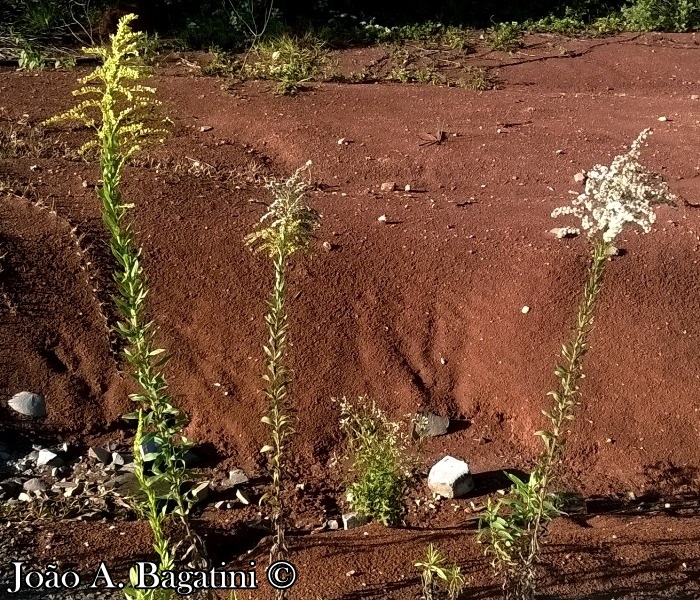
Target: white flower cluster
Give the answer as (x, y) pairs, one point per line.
(625, 192)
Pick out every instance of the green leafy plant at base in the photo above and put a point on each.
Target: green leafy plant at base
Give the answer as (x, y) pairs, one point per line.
(117, 107)
(436, 574)
(286, 227)
(150, 509)
(379, 466)
(514, 524)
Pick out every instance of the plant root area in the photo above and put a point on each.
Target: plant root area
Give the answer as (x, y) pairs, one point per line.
(419, 310)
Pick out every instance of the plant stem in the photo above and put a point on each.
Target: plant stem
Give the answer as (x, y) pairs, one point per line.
(569, 373)
(278, 412)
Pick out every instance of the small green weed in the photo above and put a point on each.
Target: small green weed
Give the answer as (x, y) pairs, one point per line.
(477, 79)
(506, 37)
(289, 61)
(437, 575)
(379, 466)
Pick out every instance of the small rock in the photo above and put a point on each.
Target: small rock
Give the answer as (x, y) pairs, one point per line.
(431, 425)
(352, 520)
(242, 497)
(564, 232)
(327, 246)
(662, 119)
(695, 97)
(237, 477)
(350, 573)
(388, 186)
(525, 310)
(382, 218)
(450, 478)
(200, 492)
(332, 524)
(579, 177)
(612, 251)
(24, 497)
(341, 141)
(28, 403)
(48, 458)
(34, 485)
(117, 459)
(204, 128)
(220, 505)
(407, 188)
(100, 454)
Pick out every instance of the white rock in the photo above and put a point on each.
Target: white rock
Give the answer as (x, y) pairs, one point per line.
(388, 186)
(579, 177)
(200, 491)
(695, 97)
(46, 457)
(382, 218)
(450, 478)
(28, 403)
(525, 310)
(663, 119)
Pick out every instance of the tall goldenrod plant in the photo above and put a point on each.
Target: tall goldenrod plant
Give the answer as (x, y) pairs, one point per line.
(117, 107)
(287, 226)
(514, 524)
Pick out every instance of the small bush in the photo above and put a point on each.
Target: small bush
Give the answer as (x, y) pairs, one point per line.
(507, 37)
(377, 452)
(288, 60)
(662, 15)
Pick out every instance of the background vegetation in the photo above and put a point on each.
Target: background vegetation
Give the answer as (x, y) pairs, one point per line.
(238, 24)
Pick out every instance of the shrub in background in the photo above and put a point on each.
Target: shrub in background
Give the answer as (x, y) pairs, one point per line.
(662, 15)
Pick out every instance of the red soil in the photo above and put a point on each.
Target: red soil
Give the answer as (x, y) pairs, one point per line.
(443, 281)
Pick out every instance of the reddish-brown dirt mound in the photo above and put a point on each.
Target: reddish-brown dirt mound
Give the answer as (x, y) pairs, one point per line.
(423, 311)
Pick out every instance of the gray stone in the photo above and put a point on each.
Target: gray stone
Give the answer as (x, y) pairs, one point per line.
(332, 524)
(28, 403)
(388, 186)
(49, 459)
(100, 454)
(237, 477)
(450, 478)
(431, 425)
(352, 520)
(34, 485)
(117, 459)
